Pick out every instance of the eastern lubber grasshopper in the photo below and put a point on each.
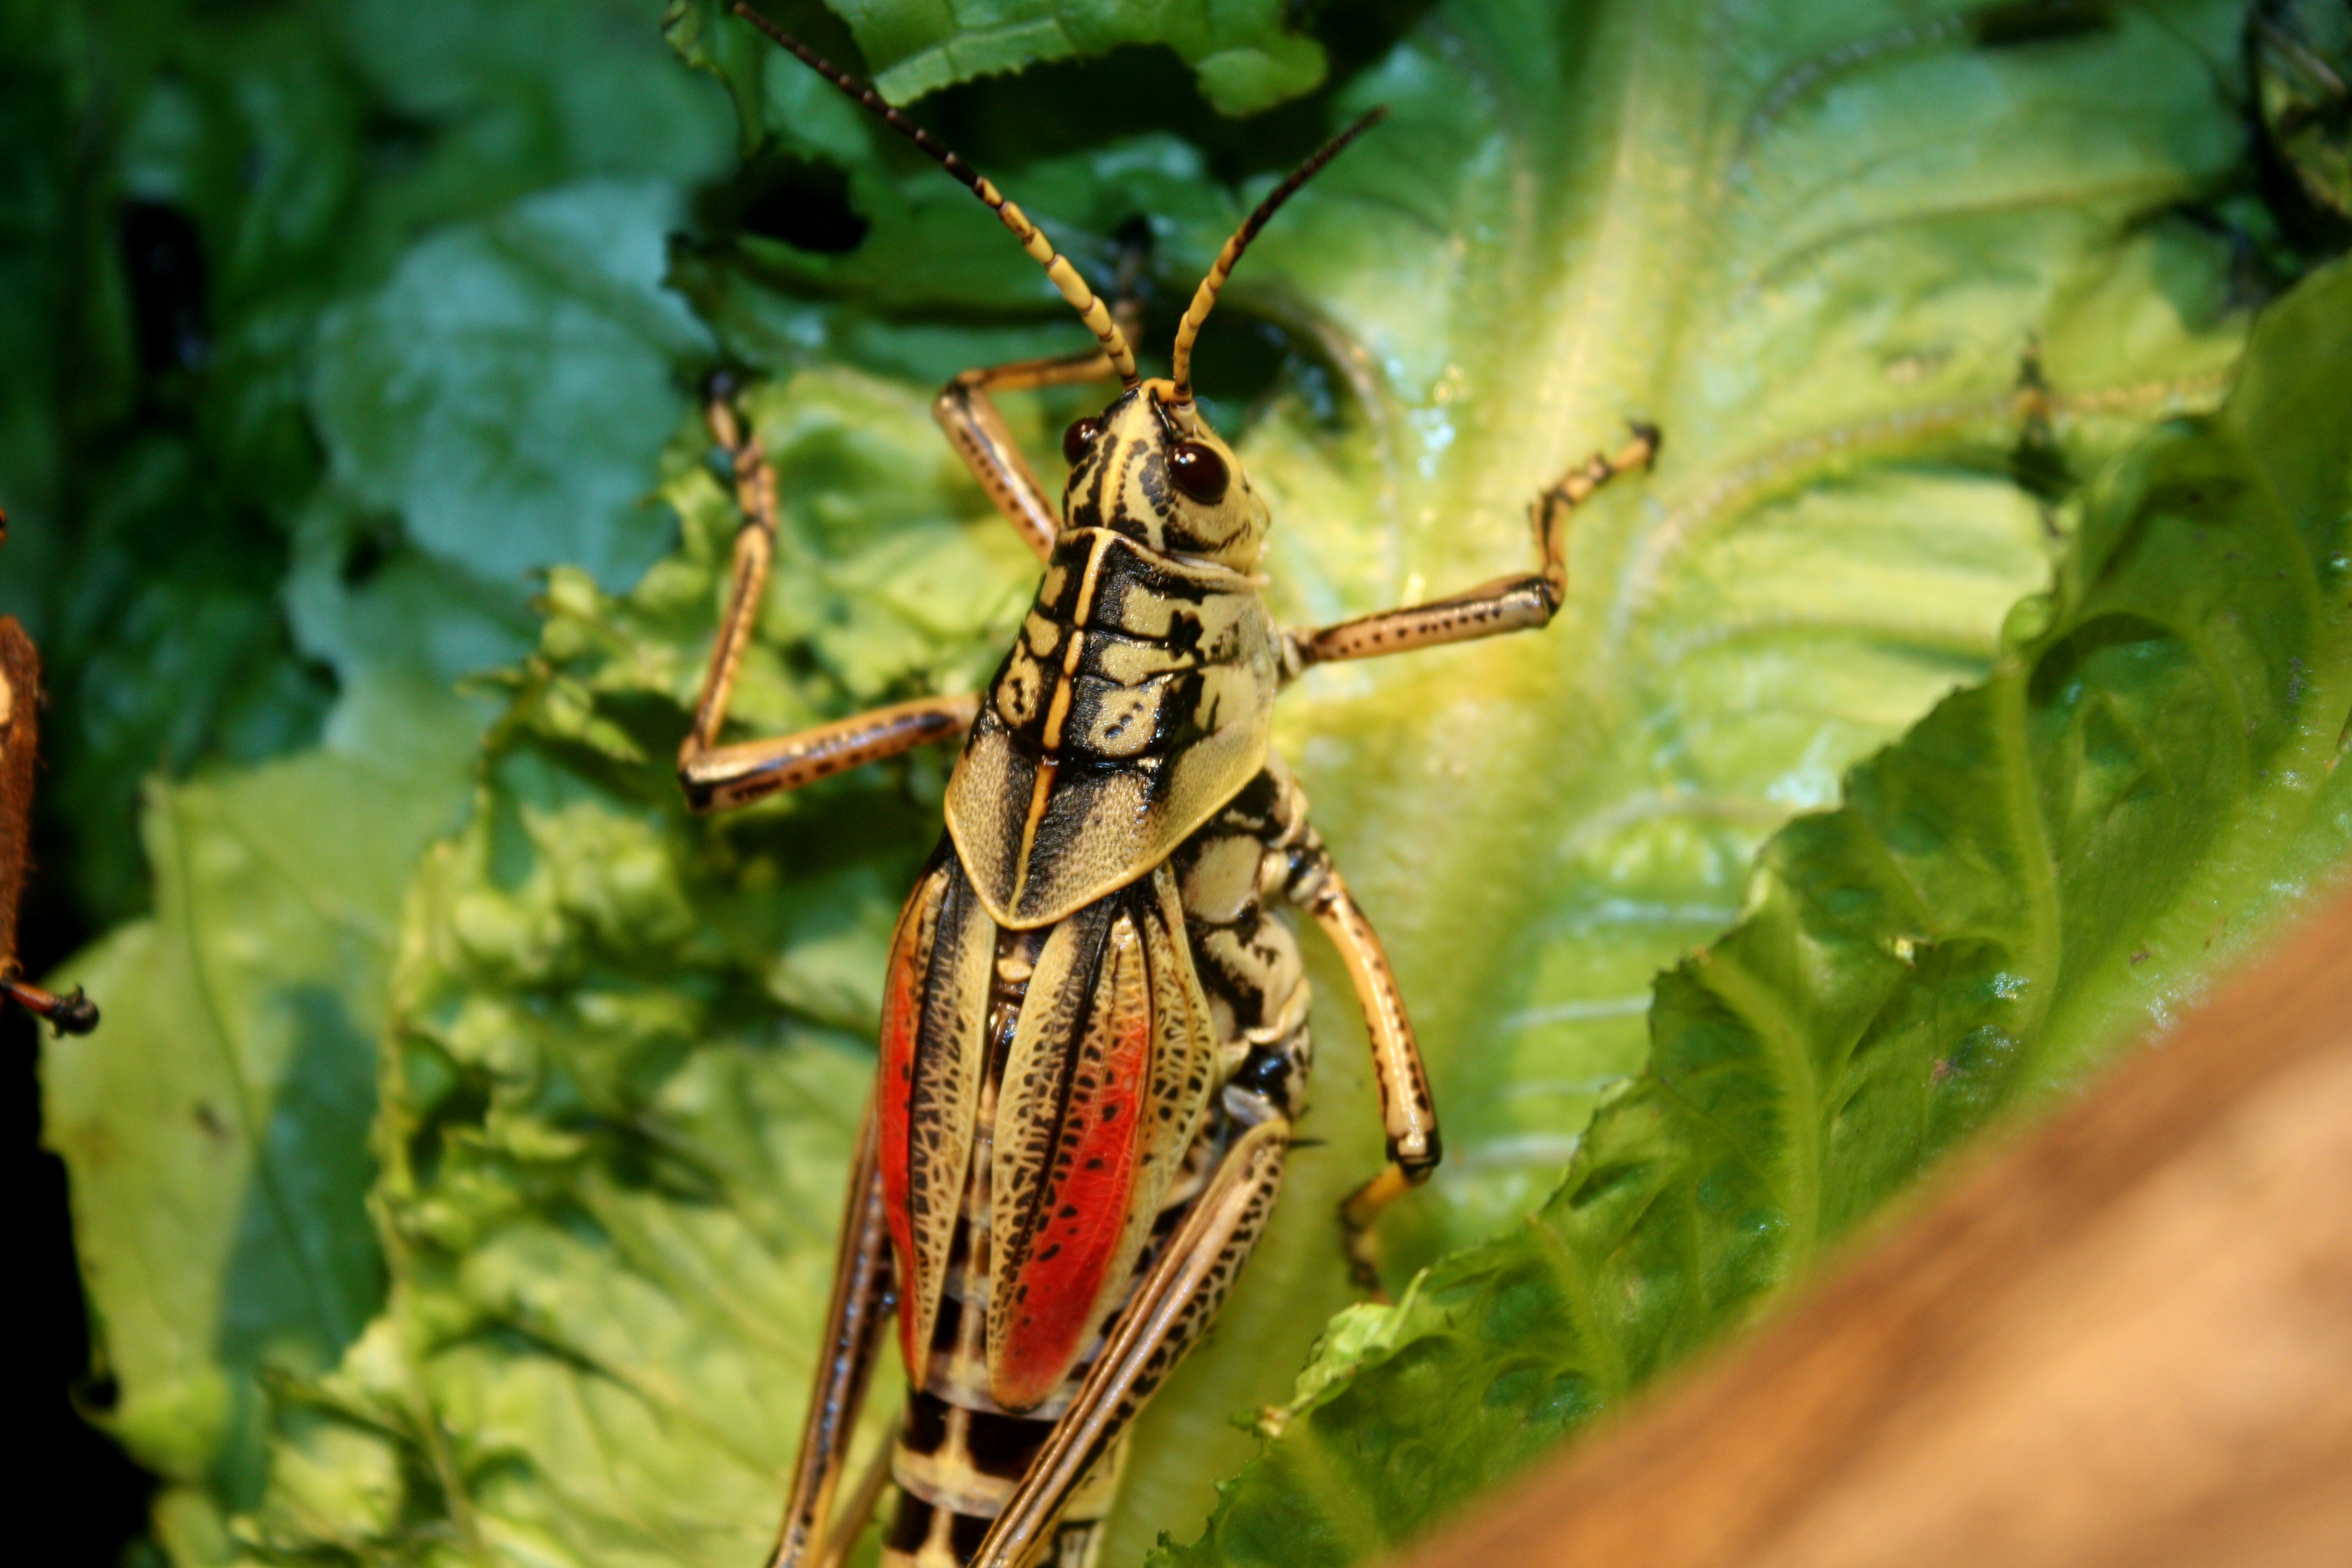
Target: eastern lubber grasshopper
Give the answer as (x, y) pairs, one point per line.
(1094, 1029)
(20, 705)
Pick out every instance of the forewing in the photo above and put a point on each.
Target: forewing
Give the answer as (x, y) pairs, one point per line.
(1183, 1052)
(933, 1051)
(1102, 1094)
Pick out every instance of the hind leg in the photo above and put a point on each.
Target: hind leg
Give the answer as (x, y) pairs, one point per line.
(1169, 1310)
(861, 1304)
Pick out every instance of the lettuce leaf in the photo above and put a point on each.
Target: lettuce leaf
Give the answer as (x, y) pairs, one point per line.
(2050, 864)
(237, 182)
(234, 565)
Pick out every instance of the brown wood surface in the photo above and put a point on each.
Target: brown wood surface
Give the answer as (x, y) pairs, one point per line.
(2123, 1338)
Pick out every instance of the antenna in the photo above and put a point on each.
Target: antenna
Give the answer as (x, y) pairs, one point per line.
(1204, 298)
(1057, 265)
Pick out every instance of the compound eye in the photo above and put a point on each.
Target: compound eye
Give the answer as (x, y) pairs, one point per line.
(1079, 438)
(1199, 472)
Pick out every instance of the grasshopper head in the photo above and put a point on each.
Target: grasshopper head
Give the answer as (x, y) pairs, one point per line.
(1150, 466)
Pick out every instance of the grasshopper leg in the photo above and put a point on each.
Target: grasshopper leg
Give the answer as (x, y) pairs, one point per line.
(1505, 604)
(966, 409)
(20, 702)
(862, 1303)
(717, 776)
(1171, 1309)
(1408, 1114)
(72, 1014)
(852, 1516)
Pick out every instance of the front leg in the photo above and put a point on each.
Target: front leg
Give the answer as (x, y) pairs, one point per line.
(1505, 604)
(967, 413)
(966, 409)
(716, 778)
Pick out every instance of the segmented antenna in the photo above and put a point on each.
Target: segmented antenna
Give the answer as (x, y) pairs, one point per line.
(1057, 266)
(1204, 298)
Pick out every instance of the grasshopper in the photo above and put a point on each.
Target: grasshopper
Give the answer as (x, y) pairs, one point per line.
(1094, 1038)
(20, 703)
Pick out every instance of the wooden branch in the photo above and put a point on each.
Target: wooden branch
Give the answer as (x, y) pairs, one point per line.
(2122, 1340)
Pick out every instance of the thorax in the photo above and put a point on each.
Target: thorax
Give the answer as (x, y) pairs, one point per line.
(1134, 702)
(1126, 654)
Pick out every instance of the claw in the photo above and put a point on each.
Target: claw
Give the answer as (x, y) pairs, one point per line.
(71, 1014)
(1647, 440)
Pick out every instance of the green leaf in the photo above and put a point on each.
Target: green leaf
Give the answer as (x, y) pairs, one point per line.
(216, 1126)
(165, 647)
(465, 393)
(166, 446)
(1247, 55)
(2050, 864)
(530, 94)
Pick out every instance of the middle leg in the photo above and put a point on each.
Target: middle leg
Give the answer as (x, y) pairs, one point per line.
(966, 409)
(1408, 1113)
(716, 777)
(1262, 962)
